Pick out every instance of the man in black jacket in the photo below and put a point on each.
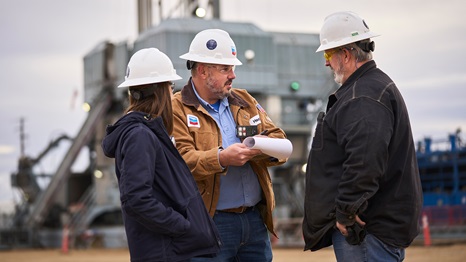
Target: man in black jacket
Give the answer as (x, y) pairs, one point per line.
(363, 191)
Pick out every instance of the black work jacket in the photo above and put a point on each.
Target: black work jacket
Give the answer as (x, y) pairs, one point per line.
(363, 162)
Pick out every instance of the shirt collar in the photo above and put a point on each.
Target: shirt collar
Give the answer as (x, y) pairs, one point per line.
(206, 105)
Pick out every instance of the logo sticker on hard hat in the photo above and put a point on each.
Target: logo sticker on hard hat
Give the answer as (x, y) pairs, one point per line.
(233, 50)
(211, 44)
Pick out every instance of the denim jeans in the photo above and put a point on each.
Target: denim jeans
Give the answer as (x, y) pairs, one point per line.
(371, 249)
(244, 238)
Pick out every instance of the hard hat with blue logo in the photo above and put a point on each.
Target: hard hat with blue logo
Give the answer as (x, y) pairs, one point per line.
(212, 46)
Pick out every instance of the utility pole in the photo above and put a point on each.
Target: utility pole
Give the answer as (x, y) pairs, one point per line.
(215, 8)
(144, 15)
(22, 137)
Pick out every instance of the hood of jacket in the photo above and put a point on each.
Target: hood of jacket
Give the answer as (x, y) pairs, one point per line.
(126, 123)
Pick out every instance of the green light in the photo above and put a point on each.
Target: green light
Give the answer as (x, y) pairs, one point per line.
(295, 86)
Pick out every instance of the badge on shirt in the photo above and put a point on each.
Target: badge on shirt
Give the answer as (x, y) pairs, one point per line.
(260, 108)
(255, 120)
(193, 121)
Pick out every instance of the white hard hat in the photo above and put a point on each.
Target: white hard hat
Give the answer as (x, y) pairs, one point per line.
(343, 28)
(147, 66)
(213, 46)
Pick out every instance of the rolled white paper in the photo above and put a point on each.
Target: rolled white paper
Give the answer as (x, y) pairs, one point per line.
(279, 148)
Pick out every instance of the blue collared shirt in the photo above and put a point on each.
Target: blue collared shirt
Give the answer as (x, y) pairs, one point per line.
(240, 186)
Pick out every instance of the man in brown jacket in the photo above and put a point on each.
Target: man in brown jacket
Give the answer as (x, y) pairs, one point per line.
(210, 121)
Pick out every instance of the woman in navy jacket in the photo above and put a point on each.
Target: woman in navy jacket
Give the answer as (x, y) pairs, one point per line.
(164, 215)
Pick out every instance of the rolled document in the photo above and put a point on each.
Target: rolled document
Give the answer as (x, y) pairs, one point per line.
(279, 148)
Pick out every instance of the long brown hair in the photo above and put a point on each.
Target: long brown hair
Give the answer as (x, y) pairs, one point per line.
(157, 103)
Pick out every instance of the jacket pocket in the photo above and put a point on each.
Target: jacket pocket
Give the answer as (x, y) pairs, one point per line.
(202, 237)
(204, 139)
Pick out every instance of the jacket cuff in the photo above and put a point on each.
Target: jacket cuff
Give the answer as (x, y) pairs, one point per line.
(218, 158)
(346, 214)
(345, 218)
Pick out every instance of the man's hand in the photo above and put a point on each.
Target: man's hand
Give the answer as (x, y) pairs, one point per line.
(237, 155)
(343, 229)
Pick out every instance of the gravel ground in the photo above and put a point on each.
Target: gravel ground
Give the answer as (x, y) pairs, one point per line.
(444, 253)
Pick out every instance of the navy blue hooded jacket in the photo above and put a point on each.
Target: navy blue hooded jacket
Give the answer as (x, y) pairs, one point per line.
(164, 215)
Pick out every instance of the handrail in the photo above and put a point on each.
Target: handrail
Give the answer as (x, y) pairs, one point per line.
(45, 199)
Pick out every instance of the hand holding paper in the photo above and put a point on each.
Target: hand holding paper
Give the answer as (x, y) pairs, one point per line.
(279, 148)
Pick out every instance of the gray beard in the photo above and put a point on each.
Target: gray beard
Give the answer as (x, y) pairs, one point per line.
(218, 93)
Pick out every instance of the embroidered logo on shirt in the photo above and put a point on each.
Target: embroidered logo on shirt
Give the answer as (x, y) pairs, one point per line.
(255, 120)
(193, 121)
(260, 108)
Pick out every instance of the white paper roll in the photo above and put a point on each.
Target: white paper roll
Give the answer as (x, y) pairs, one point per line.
(279, 148)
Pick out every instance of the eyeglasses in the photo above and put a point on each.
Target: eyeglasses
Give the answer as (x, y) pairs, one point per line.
(329, 53)
(223, 69)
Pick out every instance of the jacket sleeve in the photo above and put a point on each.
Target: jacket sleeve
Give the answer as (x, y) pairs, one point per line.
(139, 153)
(202, 163)
(364, 128)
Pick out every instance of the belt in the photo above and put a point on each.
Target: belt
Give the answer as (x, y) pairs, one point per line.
(238, 210)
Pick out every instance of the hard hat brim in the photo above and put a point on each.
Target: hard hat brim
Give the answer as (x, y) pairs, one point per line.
(149, 80)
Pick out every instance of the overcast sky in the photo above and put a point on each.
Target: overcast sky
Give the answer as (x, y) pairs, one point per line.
(422, 47)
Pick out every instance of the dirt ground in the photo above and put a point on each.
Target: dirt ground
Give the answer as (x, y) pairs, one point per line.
(445, 253)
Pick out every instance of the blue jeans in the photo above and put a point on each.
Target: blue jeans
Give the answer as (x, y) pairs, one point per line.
(244, 237)
(371, 249)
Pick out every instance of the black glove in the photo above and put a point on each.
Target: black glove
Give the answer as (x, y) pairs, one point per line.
(356, 234)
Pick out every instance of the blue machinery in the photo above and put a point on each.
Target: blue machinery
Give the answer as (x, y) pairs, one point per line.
(443, 177)
(443, 171)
